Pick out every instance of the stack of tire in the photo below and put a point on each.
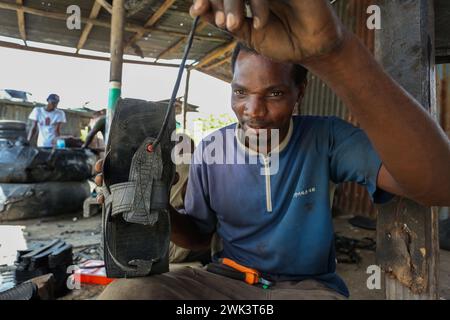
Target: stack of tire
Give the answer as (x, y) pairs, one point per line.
(39, 182)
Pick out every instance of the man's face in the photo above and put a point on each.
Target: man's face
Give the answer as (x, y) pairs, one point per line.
(264, 94)
(52, 105)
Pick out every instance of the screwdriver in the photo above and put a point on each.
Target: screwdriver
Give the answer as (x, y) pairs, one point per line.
(252, 276)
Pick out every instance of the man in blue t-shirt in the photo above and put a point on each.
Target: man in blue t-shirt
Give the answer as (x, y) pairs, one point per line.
(268, 203)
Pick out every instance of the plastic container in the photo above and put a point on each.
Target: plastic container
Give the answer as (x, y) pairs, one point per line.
(60, 144)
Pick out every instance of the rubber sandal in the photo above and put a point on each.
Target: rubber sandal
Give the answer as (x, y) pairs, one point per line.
(137, 181)
(137, 174)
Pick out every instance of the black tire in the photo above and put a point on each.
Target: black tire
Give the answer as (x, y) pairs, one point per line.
(11, 134)
(34, 200)
(13, 125)
(27, 164)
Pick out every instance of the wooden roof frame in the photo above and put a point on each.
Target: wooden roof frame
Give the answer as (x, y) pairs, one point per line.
(206, 63)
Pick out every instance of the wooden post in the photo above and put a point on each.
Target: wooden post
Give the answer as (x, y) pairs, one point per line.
(21, 22)
(407, 233)
(186, 96)
(116, 45)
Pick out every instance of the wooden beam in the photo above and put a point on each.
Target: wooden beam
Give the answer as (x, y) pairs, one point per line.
(105, 5)
(218, 63)
(21, 22)
(87, 29)
(137, 7)
(407, 232)
(216, 75)
(202, 25)
(130, 27)
(151, 21)
(16, 46)
(216, 53)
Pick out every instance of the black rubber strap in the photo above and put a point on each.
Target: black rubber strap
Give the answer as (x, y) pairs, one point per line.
(177, 83)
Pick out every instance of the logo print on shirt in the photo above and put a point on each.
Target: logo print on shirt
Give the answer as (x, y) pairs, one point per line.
(47, 121)
(304, 192)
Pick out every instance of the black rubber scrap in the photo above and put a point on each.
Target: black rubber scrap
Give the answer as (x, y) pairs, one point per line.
(346, 248)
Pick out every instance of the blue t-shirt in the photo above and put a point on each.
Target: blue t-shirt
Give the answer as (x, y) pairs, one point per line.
(281, 224)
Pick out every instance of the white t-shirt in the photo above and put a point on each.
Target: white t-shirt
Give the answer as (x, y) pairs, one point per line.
(47, 121)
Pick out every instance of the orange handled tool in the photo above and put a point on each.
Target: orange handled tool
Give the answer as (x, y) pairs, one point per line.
(252, 276)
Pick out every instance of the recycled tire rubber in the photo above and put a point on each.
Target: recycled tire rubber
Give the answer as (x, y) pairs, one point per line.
(133, 123)
(12, 134)
(21, 163)
(13, 130)
(24, 291)
(13, 125)
(34, 200)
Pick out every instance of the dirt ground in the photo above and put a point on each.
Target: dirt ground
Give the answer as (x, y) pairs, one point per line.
(85, 234)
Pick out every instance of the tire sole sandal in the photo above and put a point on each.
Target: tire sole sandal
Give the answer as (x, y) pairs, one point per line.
(137, 181)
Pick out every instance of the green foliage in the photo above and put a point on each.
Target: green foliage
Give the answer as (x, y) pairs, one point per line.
(216, 122)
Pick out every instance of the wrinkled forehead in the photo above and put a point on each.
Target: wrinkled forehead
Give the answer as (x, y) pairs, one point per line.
(252, 69)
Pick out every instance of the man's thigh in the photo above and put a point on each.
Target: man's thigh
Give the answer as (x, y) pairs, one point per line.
(183, 284)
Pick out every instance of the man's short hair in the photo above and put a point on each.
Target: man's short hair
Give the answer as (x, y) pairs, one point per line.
(299, 73)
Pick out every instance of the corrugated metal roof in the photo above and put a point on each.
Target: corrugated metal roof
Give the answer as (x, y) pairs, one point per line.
(173, 26)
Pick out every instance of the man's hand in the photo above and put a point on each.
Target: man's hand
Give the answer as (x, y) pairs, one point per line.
(32, 132)
(99, 179)
(284, 30)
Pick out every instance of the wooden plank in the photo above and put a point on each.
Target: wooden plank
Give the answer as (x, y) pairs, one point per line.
(151, 21)
(21, 22)
(105, 5)
(87, 29)
(16, 46)
(216, 53)
(178, 44)
(218, 63)
(407, 232)
(101, 23)
(131, 11)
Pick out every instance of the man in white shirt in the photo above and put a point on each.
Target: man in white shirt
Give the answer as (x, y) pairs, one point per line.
(48, 121)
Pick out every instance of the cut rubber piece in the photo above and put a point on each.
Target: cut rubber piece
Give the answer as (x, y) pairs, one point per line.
(363, 222)
(137, 180)
(43, 259)
(21, 163)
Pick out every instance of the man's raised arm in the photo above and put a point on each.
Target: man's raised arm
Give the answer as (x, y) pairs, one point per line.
(414, 149)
